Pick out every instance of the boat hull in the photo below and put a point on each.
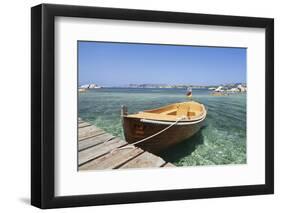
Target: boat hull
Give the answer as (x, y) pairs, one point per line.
(136, 129)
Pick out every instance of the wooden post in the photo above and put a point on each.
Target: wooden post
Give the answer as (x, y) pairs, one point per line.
(124, 111)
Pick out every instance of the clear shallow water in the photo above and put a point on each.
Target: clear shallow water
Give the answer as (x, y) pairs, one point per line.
(221, 141)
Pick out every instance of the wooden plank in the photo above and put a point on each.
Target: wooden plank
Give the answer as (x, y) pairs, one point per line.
(84, 131)
(168, 165)
(145, 160)
(93, 141)
(113, 159)
(99, 150)
(83, 124)
(88, 132)
(93, 134)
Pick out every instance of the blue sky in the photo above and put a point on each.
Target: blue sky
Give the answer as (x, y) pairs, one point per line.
(120, 64)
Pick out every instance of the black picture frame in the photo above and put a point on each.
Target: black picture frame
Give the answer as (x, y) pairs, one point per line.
(43, 102)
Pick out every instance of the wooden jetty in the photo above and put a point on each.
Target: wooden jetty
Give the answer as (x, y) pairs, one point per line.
(98, 150)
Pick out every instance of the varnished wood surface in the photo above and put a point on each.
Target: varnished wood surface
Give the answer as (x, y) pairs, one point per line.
(191, 110)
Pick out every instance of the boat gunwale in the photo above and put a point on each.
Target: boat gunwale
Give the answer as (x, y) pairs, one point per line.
(180, 123)
(202, 115)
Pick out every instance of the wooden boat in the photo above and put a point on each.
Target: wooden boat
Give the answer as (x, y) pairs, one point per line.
(158, 129)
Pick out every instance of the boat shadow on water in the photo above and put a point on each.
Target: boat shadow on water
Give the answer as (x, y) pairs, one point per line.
(184, 148)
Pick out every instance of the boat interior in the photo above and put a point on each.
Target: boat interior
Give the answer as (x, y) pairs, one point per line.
(190, 110)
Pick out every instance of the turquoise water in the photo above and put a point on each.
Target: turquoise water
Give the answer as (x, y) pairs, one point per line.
(222, 140)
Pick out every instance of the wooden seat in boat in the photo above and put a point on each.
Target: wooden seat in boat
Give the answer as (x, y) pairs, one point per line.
(169, 112)
(190, 114)
(154, 116)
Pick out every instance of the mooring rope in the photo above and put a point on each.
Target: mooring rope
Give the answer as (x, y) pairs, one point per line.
(131, 145)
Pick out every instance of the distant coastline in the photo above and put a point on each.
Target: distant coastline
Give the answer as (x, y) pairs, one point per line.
(235, 87)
